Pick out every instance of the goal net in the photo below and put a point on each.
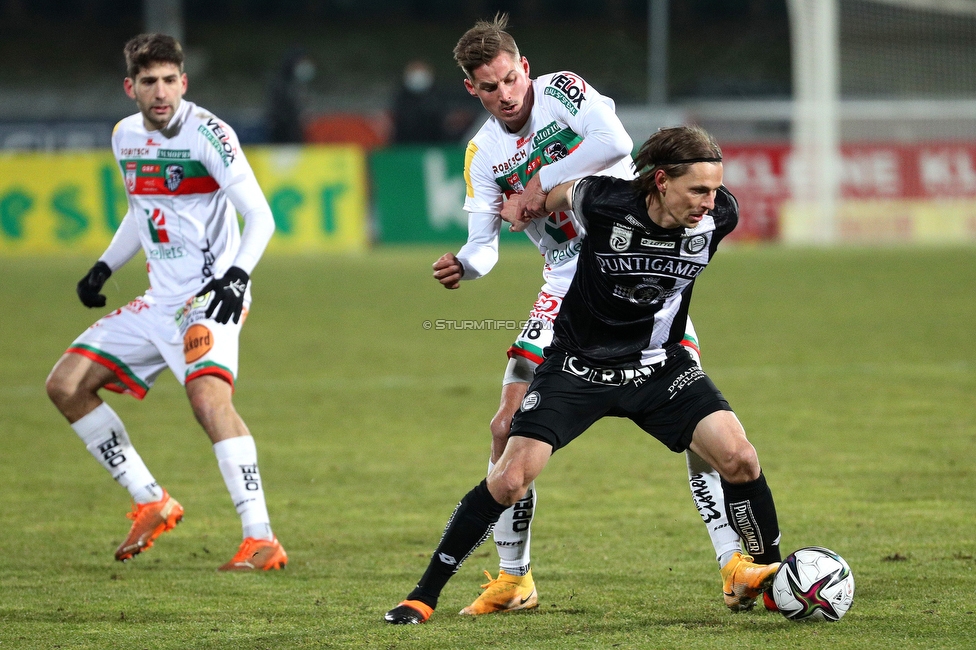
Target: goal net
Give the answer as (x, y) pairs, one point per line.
(883, 122)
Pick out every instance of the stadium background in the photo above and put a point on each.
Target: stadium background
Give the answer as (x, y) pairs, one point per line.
(903, 123)
(852, 367)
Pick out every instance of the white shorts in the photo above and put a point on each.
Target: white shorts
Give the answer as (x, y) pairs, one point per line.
(140, 340)
(537, 333)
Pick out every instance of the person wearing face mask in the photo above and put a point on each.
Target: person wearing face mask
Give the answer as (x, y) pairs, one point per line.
(287, 98)
(423, 113)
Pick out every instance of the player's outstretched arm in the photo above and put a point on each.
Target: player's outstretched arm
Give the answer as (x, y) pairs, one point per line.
(448, 271)
(560, 198)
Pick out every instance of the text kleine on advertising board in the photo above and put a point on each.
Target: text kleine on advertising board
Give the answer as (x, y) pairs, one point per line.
(890, 193)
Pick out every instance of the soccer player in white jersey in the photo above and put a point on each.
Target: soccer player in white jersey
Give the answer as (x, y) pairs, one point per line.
(541, 133)
(186, 179)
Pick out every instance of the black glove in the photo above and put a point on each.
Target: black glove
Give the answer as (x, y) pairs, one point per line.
(228, 293)
(90, 285)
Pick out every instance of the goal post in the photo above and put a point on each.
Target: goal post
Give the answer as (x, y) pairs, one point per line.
(815, 170)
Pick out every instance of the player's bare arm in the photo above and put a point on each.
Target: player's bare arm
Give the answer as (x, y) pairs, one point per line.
(560, 198)
(448, 270)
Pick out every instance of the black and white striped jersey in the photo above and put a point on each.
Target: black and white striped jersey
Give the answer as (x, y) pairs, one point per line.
(629, 299)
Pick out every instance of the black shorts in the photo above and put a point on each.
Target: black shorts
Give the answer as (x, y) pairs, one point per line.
(565, 398)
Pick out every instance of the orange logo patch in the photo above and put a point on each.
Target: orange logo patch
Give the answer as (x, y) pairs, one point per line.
(197, 341)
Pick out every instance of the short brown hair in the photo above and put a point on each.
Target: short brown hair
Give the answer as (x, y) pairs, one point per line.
(483, 42)
(673, 150)
(146, 50)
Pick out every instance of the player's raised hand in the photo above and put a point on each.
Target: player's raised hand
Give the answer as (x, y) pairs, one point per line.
(448, 271)
(90, 286)
(228, 294)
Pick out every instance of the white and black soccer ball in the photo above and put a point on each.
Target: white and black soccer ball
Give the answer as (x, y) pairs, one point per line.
(813, 584)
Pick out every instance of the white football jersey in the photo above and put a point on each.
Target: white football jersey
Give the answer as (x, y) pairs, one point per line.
(173, 177)
(499, 163)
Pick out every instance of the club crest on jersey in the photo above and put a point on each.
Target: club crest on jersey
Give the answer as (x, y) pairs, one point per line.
(130, 180)
(174, 176)
(620, 237)
(695, 245)
(556, 151)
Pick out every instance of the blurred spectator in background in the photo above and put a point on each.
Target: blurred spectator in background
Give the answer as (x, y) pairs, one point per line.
(424, 113)
(287, 96)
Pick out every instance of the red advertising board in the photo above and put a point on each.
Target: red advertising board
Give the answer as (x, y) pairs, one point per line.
(760, 178)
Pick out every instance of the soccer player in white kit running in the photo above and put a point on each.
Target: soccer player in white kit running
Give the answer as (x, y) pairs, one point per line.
(185, 175)
(541, 133)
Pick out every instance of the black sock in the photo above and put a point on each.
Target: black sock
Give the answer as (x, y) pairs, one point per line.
(752, 514)
(467, 528)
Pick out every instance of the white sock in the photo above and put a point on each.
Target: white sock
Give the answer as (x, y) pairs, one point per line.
(513, 532)
(238, 462)
(104, 435)
(706, 490)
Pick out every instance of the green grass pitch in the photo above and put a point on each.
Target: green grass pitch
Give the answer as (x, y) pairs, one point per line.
(853, 371)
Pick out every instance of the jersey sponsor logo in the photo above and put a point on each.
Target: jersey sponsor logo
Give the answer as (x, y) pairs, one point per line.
(556, 256)
(640, 264)
(197, 341)
(208, 260)
(546, 306)
(166, 253)
(157, 226)
(152, 143)
(174, 154)
(545, 133)
(174, 175)
(569, 89)
(144, 177)
(191, 311)
(695, 245)
(642, 294)
(533, 166)
(517, 158)
(521, 141)
(560, 227)
(634, 221)
(134, 152)
(531, 401)
(620, 237)
(656, 243)
(217, 136)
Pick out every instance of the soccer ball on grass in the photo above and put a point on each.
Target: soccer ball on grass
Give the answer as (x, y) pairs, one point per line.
(813, 584)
